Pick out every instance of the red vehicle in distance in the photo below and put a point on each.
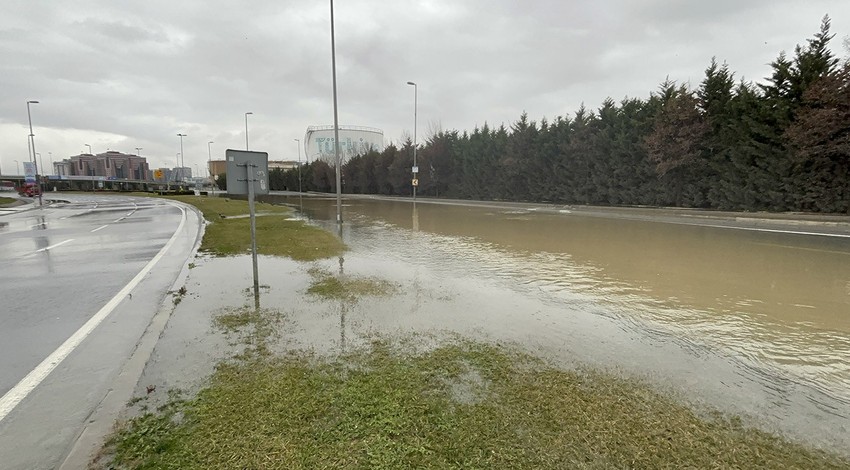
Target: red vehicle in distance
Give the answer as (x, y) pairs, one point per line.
(29, 189)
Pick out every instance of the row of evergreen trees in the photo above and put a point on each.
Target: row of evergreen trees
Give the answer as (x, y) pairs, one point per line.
(734, 145)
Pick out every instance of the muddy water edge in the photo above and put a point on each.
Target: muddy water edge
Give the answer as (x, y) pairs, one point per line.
(755, 323)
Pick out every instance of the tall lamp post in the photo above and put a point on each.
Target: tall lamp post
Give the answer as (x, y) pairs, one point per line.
(18, 166)
(32, 140)
(336, 125)
(415, 106)
(209, 159)
(89, 146)
(246, 129)
(141, 167)
(177, 167)
(40, 164)
(298, 148)
(182, 159)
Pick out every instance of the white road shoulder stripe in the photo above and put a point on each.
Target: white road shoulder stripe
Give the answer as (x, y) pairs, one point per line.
(20, 391)
(52, 246)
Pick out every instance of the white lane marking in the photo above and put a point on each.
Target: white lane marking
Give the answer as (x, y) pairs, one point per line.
(771, 230)
(99, 228)
(126, 215)
(20, 391)
(51, 246)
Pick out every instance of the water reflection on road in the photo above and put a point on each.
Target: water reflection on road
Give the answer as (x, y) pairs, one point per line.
(777, 303)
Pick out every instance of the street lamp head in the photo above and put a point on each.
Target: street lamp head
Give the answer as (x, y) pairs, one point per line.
(32, 101)
(411, 83)
(182, 135)
(210, 142)
(248, 113)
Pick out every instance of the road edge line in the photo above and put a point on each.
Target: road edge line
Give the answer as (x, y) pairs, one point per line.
(25, 386)
(101, 420)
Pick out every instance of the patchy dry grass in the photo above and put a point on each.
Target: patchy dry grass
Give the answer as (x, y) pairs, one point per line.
(385, 408)
(7, 200)
(330, 286)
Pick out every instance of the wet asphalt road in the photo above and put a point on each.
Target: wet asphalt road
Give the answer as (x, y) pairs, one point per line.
(60, 266)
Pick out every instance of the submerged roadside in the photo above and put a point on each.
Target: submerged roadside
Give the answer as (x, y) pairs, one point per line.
(307, 380)
(805, 222)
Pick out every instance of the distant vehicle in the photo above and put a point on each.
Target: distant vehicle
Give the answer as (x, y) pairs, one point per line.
(6, 185)
(29, 190)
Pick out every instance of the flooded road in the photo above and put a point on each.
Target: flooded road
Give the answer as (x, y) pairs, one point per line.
(757, 319)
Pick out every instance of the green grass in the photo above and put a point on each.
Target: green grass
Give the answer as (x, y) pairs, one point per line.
(460, 405)
(349, 288)
(229, 231)
(6, 200)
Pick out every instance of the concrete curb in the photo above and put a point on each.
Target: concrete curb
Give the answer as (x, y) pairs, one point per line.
(102, 420)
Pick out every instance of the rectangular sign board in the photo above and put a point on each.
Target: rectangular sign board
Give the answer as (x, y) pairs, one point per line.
(29, 172)
(236, 177)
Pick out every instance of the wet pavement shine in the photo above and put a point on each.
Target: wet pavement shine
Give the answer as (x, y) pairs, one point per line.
(746, 321)
(80, 280)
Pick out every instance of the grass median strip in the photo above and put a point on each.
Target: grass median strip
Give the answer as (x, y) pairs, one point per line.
(229, 230)
(7, 200)
(459, 405)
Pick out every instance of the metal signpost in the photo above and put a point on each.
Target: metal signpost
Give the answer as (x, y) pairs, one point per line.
(255, 181)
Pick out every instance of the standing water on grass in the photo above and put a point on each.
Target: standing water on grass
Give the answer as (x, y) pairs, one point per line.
(756, 321)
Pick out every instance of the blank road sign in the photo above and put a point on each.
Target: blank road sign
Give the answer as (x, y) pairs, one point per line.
(236, 176)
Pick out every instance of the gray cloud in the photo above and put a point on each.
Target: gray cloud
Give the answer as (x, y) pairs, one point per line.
(148, 70)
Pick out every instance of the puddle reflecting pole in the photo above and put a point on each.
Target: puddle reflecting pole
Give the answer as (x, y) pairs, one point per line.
(342, 305)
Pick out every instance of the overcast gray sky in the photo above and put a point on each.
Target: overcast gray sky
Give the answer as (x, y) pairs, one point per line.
(119, 75)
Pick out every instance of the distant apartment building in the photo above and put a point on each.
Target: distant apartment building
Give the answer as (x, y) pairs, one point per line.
(217, 167)
(110, 164)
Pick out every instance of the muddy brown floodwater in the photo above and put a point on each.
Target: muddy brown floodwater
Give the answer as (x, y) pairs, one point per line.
(751, 322)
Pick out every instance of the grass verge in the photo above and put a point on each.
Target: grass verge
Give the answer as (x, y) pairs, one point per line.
(6, 200)
(459, 405)
(348, 288)
(229, 231)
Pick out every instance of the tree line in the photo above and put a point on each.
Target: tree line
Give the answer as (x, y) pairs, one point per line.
(782, 145)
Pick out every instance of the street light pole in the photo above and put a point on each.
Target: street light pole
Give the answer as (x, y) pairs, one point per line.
(89, 146)
(415, 106)
(182, 157)
(18, 166)
(41, 164)
(246, 129)
(32, 139)
(209, 157)
(298, 148)
(336, 125)
(141, 166)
